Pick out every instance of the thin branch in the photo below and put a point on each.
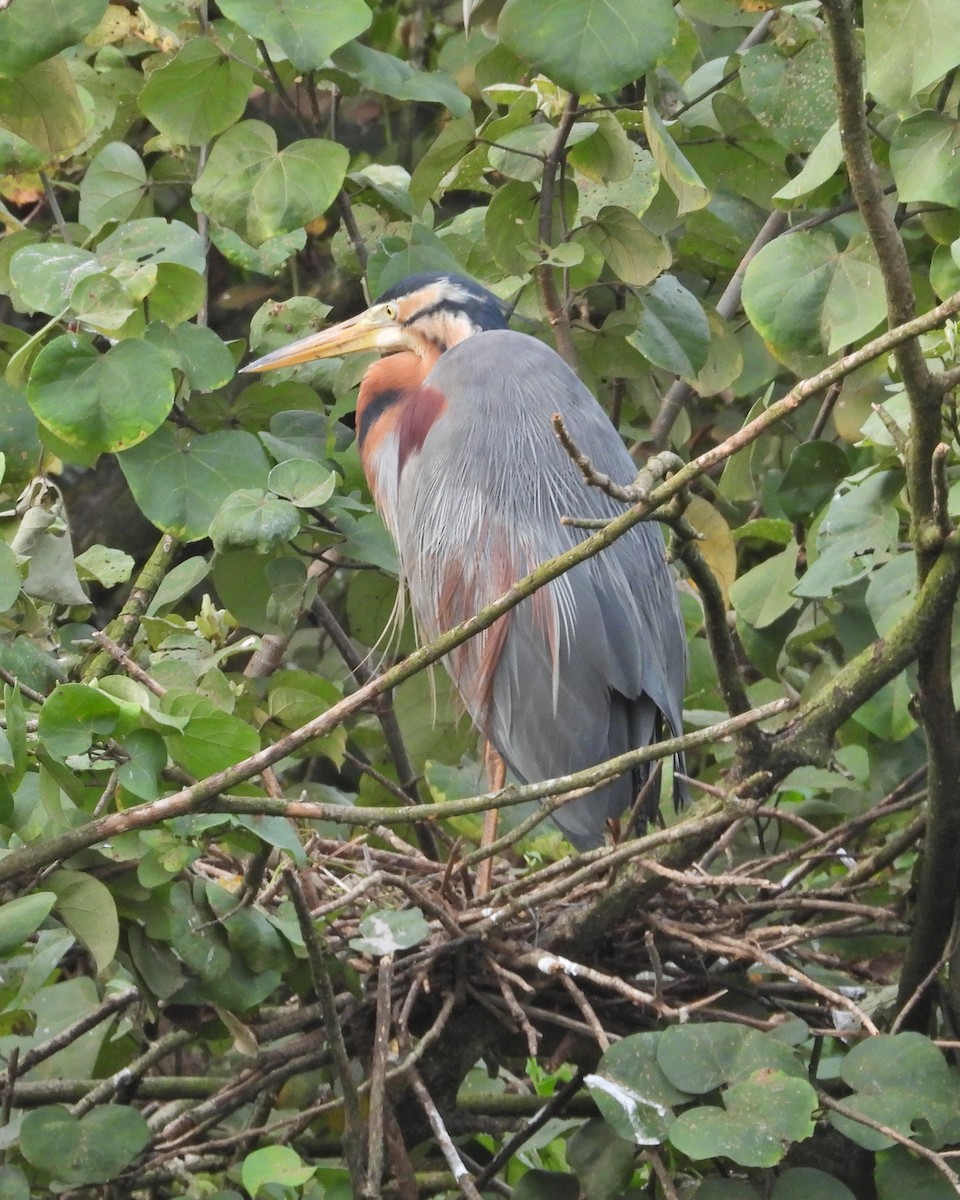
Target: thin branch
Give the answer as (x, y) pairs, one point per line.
(554, 1106)
(378, 1073)
(386, 715)
(444, 1141)
(124, 628)
(556, 309)
(354, 1132)
(66, 1037)
(936, 1160)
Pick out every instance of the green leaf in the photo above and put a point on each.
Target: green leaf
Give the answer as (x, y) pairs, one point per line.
(196, 351)
(46, 274)
(10, 579)
(635, 193)
(43, 107)
(17, 156)
(253, 518)
(180, 480)
(86, 398)
(303, 482)
(803, 1183)
(212, 740)
(32, 30)
(791, 94)
(607, 156)
(811, 477)
(393, 77)
(14, 1185)
(859, 525)
(259, 191)
(602, 1161)
(106, 565)
(761, 1117)
(113, 188)
(387, 930)
(900, 1173)
(23, 916)
(632, 252)
(154, 240)
(673, 331)
(677, 171)
(632, 1092)
(146, 758)
(589, 45)
(307, 31)
(73, 716)
(199, 93)
(785, 288)
(296, 697)
(855, 302)
(510, 226)
(266, 259)
(909, 46)
(16, 735)
(88, 909)
(280, 1165)
(450, 146)
(901, 1081)
(924, 158)
(536, 1184)
(91, 1149)
(765, 592)
(822, 164)
(699, 1058)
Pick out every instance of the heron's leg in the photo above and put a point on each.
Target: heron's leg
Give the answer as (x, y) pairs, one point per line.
(497, 774)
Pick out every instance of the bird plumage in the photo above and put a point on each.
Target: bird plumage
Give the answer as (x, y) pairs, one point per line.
(456, 440)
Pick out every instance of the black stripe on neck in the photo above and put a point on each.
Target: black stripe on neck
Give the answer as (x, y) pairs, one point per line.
(374, 409)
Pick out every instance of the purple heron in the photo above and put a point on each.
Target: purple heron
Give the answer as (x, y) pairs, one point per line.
(455, 437)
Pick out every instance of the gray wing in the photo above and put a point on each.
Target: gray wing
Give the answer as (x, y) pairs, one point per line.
(596, 662)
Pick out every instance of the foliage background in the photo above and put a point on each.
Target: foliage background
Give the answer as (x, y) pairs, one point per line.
(240, 956)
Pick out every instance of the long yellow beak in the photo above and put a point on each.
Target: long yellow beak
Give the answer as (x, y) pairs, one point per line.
(375, 329)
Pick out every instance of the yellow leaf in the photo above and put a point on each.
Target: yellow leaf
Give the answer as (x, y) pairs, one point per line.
(717, 546)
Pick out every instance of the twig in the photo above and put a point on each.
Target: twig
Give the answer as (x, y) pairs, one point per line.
(8, 1086)
(936, 1160)
(919, 992)
(354, 1138)
(554, 964)
(131, 668)
(378, 1072)
(386, 715)
(126, 1080)
(444, 1141)
(58, 218)
(557, 313)
(586, 1010)
(554, 1106)
(66, 1037)
(26, 690)
(123, 629)
(34, 857)
(664, 1177)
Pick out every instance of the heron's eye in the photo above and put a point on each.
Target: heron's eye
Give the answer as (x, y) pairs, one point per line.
(391, 311)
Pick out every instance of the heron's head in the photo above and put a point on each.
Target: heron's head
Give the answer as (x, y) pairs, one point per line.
(426, 313)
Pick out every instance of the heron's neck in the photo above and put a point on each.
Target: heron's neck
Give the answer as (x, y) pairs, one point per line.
(396, 410)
